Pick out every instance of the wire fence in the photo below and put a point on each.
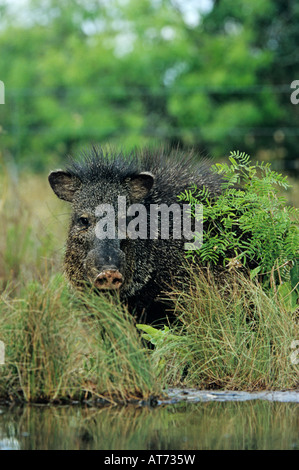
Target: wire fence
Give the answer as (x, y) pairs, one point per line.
(14, 126)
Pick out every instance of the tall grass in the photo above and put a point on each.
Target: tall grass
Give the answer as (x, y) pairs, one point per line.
(31, 234)
(230, 335)
(62, 347)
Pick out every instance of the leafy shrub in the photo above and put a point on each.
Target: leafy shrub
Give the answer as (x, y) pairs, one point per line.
(250, 224)
(238, 333)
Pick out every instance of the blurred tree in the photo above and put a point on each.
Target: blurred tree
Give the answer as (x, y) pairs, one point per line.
(208, 74)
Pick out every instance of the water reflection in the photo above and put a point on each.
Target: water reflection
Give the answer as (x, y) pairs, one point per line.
(183, 426)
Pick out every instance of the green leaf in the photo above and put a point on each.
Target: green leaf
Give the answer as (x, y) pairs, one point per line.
(254, 272)
(288, 296)
(295, 274)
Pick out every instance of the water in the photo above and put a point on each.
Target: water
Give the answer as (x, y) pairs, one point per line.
(203, 420)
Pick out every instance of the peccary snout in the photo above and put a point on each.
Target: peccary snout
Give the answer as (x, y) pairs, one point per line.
(109, 279)
(103, 265)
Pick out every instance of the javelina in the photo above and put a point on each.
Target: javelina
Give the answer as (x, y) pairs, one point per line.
(138, 268)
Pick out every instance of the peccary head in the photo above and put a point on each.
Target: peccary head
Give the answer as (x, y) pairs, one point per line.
(142, 268)
(105, 263)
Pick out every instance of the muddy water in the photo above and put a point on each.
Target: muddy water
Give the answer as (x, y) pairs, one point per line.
(187, 420)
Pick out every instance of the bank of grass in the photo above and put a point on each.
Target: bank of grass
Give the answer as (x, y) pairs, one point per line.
(61, 347)
(231, 336)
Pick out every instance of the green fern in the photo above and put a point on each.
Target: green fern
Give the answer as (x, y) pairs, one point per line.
(250, 223)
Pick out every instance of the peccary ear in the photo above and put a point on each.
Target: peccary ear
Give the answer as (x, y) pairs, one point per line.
(64, 184)
(141, 184)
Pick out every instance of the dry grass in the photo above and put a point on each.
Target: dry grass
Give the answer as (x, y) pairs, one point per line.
(232, 336)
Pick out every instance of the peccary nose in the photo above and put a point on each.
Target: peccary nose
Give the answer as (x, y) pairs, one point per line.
(109, 279)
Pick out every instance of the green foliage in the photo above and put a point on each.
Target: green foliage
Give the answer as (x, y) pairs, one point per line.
(250, 224)
(163, 340)
(154, 335)
(139, 72)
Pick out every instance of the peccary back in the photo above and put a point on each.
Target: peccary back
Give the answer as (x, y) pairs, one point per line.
(113, 242)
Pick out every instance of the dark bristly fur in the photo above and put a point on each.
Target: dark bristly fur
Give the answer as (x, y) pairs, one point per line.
(147, 177)
(117, 166)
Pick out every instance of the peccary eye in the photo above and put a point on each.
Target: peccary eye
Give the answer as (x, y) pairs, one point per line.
(84, 222)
